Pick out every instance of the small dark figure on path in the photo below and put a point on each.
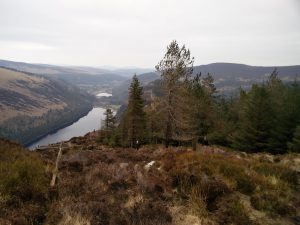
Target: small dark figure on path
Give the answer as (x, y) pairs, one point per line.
(137, 145)
(205, 141)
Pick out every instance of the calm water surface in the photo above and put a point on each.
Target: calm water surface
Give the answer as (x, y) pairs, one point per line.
(90, 122)
(104, 94)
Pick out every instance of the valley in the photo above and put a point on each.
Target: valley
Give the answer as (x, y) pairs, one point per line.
(38, 91)
(33, 105)
(130, 112)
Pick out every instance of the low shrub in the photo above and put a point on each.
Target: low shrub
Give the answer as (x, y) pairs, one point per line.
(233, 212)
(149, 214)
(272, 202)
(281, 172)
(23, 185)
(244, 182)
(24, 179)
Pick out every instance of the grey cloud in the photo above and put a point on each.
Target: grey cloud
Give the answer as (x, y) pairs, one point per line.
(136, 32)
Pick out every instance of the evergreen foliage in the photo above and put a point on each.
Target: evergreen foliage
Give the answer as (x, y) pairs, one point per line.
(294, 145)
(133, 124)
(255, 122)
(265, 118)
(176, 69)
(268, 116)
(109, 121)
(201, 111)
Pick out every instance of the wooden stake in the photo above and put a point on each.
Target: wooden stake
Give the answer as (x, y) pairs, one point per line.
(55, 171)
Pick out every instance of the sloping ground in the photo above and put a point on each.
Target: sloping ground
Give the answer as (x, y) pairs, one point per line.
(154, 185)
(24, 184)
(22, 94)
(32, 105)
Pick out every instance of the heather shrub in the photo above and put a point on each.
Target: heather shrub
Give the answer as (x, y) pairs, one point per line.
(280, 172)
(233, 212)
(23, 185)
(24, 179)
(273, 201)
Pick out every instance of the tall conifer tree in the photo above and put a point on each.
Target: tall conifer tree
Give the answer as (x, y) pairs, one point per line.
(175, 68)
(256, 122)
(109, 121)
(134, 120)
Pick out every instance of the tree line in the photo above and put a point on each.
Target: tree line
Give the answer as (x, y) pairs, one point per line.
(189, 110)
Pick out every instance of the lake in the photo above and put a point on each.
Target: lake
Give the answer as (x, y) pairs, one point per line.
(103, 94)
(90, 122)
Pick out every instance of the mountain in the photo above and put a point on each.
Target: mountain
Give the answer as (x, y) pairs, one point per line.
(32, 105)
(77, 75)
(232, 70)
(129, 72)
(228, 77)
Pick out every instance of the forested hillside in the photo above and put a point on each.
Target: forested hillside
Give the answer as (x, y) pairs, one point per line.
(32, 106)
(184, 108)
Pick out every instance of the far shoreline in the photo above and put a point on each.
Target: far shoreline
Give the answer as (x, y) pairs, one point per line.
(27, 145)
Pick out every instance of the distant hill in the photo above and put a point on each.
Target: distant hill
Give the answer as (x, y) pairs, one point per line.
(129, 72)
(77, 75)
(32, 105)
(232, 70)
(228, 77)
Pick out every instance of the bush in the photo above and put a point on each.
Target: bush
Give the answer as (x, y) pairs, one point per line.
(24, 180)
(23, 185)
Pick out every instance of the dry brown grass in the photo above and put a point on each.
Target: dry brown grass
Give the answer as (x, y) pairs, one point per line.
(182, 187)
(71, 218)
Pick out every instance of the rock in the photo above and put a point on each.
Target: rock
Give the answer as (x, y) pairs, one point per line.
(123, 165)
(244, 154)
(267, 158)
(149, 165)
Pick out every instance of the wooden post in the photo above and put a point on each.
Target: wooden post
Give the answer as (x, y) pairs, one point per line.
(55, 171)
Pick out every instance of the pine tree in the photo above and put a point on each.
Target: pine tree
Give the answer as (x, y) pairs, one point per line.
(294, 145)
(134, 120)
(109, 121)
(175, 68)
(285, 102)
(256, 121)
(201, 106)
(208, 84)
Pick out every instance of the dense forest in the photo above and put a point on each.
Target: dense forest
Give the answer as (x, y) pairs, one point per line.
(188, 109)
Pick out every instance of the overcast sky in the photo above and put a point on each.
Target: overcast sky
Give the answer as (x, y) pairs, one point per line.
(136, 32)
